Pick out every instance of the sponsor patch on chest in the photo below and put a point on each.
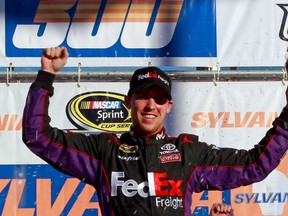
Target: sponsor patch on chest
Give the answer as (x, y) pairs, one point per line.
(169, 153)
(128, 153)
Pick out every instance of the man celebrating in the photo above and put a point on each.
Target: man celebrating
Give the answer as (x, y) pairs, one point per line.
(163, 171)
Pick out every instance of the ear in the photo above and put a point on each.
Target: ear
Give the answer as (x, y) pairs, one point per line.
(170, 104)
(127, 102)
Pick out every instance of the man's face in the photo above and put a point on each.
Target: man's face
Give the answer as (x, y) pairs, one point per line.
(148, 109)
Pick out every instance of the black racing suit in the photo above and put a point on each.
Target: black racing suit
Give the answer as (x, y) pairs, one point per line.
(152, 175)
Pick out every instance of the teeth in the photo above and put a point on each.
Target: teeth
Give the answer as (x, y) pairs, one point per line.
(150, 116)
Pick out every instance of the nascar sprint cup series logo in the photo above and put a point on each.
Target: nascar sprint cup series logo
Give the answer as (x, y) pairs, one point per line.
(103, 111)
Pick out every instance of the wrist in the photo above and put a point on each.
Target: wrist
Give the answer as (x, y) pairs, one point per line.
(48, 70)
(45, 77)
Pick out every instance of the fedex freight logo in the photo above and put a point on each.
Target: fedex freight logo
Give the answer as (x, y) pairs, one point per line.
(166, 191)
(99, 110)
(153, 76)
(110, 28)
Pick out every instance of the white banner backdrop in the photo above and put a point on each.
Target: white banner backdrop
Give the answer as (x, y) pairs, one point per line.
(229, 114)
(233, 114)
(248, 32)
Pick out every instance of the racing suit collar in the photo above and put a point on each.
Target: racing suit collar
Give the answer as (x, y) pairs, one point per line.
(148, 139)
